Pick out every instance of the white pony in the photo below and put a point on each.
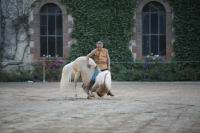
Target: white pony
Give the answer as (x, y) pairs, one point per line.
(102, 84)
(80, 68)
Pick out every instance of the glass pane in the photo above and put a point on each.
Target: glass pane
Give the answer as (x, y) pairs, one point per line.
(59, 46)
(43, 46)
(162, 22)
(44, 9)
(159, 6)
(52, 8)
(58, 11)
(153, 7)
(146, 8)
(43, 20)
(59, 25)
(43, 30)
(145, 23)
(154, 44)
(162, 45)
(154, 23)
(145, 45)
(51, 25)
(51, 46)
(43, 24)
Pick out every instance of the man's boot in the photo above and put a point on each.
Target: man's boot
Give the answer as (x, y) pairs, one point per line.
(110, 93)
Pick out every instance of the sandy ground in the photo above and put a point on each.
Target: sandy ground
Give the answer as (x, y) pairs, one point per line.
(138, 107)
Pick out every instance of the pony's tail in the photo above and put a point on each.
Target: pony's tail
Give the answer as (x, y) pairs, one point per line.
(66, 75)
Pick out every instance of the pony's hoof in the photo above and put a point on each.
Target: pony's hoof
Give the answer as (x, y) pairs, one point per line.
(89, 97)
(92, 95)
(75, 95)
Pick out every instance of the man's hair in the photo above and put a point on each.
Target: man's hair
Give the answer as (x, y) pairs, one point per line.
(99, 42)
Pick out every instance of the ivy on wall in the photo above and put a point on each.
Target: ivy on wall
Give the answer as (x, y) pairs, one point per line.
(187, 37)
(187, 29)
(110, 21)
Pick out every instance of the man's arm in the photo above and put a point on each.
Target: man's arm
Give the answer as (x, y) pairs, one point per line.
(90, 55)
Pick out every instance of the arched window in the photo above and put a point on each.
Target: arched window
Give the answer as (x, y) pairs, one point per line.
(154, 29)
(51, 31)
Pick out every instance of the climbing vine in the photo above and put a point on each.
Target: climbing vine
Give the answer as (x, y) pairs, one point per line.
(187, 29)
(110, 21)
(187, 37)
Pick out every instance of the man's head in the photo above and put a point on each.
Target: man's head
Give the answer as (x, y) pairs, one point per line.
(99, 44)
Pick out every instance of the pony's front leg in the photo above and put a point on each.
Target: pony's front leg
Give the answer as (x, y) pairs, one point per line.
(85, 88)
(76, 77)
(93, 89)
(76, 95)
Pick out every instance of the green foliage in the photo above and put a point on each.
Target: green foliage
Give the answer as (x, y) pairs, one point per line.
(187, 29)
(132, 72)
(110, 21)
(1, 57)
(156, 71)
(187, 33)
(14, 76)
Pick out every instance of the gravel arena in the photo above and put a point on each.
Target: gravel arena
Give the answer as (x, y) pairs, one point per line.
(137, 107)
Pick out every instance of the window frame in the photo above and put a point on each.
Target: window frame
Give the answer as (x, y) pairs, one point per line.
(160, 11)
(48, 14)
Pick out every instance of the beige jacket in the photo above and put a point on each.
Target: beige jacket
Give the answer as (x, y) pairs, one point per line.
(101, 57)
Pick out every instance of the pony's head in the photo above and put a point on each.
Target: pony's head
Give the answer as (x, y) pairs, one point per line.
(91, 63)
(86, 68)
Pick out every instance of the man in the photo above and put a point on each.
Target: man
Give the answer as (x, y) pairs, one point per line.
(102, 59)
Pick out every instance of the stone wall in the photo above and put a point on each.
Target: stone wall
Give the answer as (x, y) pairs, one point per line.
(15, 35)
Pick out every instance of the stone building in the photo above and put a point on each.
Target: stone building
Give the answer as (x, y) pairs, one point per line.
(47, 34)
